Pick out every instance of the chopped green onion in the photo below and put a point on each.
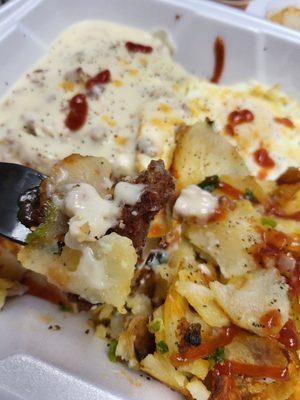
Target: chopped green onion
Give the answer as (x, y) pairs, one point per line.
(162, 347)
(112, 350)
(155, 325)
(210, 183)
(217, 357)
(250, 196)
(269, 222)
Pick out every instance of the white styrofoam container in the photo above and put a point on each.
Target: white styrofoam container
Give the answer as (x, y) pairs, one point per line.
(35, 362)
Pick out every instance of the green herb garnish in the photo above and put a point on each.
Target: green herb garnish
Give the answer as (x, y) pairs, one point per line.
(43, 229)
(162, 347)
(210, 183)
(155, 325)
(112, 350)
(217, 357)
(250, 196)
(269, 222)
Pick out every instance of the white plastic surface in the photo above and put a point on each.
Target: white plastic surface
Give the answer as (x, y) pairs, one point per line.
(41, 364)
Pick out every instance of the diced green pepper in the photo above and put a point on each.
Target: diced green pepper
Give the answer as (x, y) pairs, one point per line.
(269, 222)
(217, 357)
(112, 350)
(162, 347)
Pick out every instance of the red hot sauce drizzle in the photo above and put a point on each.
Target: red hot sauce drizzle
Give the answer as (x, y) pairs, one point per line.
(271, 321)
(230, 191)
(100, 79)
(224, 337)
(78, 112)
(237, 117)
(251, 370)
(138, 48)
(285, 121)
(279, 213)
(263, 159)
(219, 51)
(289, 337)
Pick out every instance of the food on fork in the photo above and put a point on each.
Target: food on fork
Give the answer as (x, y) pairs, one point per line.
(94, 229)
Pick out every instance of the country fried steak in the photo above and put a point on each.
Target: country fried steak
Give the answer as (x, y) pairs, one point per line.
(159, 191)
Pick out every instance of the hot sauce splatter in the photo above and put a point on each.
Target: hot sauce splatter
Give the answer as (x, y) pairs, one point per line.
(240, 117)
(237, 117)
(263, 159)
(225, 336)
(279, 213)
(271, 321)
(100, 79)
(78, 112)
(289, 337)
(285, 121)
(229, 130)
(219, 215)
(225, 205)
(138, 48)
(230, 191)
(255, 371)
(219, 51)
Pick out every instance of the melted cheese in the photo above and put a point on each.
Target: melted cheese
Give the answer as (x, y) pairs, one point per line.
(90, 215)
(195, 202)
(133, 118)
(32, 115)
(128, 193)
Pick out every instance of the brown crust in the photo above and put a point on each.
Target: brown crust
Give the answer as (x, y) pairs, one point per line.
(159, 191)
(224, 388)
(290, 176)
(144, 341)
(38, 286)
